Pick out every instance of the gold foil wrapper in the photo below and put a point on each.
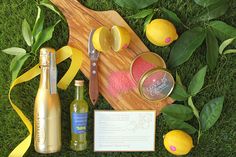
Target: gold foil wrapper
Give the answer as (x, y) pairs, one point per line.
(45, 53)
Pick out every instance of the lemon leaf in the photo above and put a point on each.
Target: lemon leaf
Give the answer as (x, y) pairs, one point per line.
(212, 49)
(49, 5)
(17, 63)
(172, 16)
(142, 14)
(44, 36)
(174, 123)
(229, 51)
(206, 3)
(178, 79)
(38, 26)
(194, 109)
(134, 4)
(178, 111)
(26, 32)
(214, 11)
(223, 31)
(197, 81)
(179, 93)
(14, 51)
(147, 21)
(225, 44)
(211, 113)
(179, 53)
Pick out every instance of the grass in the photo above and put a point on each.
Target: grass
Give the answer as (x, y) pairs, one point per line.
(218, 141)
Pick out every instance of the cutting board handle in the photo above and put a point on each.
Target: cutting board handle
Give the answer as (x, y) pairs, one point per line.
(65, 6)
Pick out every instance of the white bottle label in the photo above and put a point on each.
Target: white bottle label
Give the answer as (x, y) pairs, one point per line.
(53, 74)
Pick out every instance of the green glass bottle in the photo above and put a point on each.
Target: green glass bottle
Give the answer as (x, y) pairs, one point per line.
(79, 117)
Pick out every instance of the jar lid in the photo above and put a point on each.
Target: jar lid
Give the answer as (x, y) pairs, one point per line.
(143, 63)
(156, 84)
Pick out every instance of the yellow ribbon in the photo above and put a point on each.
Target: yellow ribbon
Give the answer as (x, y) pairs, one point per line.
(62, 54)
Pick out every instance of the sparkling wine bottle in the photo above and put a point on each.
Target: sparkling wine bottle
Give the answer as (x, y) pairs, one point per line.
(47, 109)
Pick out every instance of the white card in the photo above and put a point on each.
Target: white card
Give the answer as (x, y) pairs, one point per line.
(124, 131)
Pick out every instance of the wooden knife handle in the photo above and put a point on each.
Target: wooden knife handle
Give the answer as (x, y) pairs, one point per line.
(93, 82)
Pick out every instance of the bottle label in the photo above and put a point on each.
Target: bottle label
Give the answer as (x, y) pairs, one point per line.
(53, 74)
(79, 122)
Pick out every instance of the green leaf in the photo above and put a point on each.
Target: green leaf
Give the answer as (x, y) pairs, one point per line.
(14, 51)
(229, 51)
(38, 26)
(172, 16)
(214, 11)
(142, 14)
(178, 79)
(174, 123)
(15, 60)
(134, 4)
(49, 5)
(225, 44)
(18, 64)
(194, 109)
(211, 113)
(44, 36)
(26, 32)
(179, 93)
(212, 49)
(206, 3)
(197, 81)
(223, 31)
(147, 21)
(184, 47)
(178, 111)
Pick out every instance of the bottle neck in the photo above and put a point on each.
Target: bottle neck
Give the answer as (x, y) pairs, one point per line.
(79, 92)
(44, 78)
(48, 77)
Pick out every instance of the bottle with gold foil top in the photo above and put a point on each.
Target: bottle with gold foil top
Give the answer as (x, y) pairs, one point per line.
(47, 108)
(79, 117)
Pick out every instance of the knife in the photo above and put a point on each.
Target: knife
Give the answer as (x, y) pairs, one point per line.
(93, 81)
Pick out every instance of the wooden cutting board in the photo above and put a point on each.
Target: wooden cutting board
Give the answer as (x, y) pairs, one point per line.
(81, 21)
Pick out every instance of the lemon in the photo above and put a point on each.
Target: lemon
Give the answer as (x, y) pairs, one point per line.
(102, 39)
(178, 142)
(161, 32)
(121, 38)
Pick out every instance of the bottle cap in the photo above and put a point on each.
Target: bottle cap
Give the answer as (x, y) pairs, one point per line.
(47, 50)
(79, 82)
(45, 56)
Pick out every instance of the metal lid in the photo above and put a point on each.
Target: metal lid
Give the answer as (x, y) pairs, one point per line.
(79, 82)
(156, 84)
(143, 63)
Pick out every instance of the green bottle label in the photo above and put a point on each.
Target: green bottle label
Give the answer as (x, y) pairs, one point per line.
(79, 122)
